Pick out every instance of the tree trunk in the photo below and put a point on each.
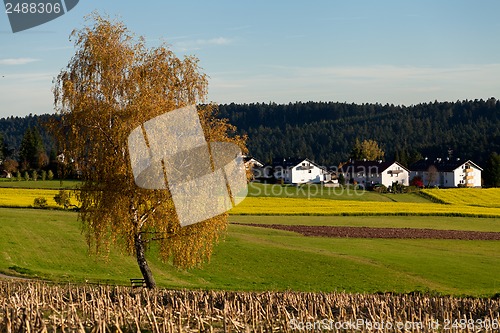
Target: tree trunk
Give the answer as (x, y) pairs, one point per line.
(143, 264)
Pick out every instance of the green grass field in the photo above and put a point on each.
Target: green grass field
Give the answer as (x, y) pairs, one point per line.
(38, 184)
(49, 245)
(316, 191)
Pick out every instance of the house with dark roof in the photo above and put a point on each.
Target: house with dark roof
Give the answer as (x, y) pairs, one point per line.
(256, 168)
(252, 162)
(370, 173)
(447, 172)
(299, 171)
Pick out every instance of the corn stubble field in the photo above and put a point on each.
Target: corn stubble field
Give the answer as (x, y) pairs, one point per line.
(40, 307)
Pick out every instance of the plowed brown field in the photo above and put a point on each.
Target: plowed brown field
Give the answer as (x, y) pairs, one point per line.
(367, 232)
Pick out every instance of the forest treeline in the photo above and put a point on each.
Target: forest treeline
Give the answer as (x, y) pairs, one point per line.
(13, 129)
(326, 131)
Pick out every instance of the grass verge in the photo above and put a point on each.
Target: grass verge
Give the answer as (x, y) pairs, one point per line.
(39, 184)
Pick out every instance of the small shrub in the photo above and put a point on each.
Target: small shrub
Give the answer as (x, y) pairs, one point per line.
(34, 175)
(380, 188)
(26, 175)
(18, 176)
(44, 175)
(40, 202)
(397, 188)
(50, 175)
(63, 198)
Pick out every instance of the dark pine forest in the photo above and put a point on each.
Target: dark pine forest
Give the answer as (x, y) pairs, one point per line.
(326, 131)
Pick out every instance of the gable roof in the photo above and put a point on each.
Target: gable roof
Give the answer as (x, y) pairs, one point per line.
(286, 163)
(442, 165)
(247, 159)
(380, 166)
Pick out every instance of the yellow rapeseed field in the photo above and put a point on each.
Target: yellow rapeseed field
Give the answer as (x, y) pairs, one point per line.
(481, 197)
(292, 206)
(17, 197)
(460, 202)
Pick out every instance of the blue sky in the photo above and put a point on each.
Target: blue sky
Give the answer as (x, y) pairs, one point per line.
(396, 51)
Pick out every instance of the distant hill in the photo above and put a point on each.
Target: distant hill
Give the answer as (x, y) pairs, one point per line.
(326, 131)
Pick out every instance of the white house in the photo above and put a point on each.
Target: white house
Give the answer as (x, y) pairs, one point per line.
(370, 173)
(447, 172)
(251, 162)
(259, 172)
(299, 171)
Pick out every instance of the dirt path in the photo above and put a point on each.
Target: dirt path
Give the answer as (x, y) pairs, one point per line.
(366, 232)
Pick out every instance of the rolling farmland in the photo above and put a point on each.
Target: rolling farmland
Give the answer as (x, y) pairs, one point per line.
(390, 280)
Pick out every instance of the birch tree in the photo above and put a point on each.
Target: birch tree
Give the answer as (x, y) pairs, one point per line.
(113, 84)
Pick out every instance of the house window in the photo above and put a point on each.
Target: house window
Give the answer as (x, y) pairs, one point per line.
(310, 171)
